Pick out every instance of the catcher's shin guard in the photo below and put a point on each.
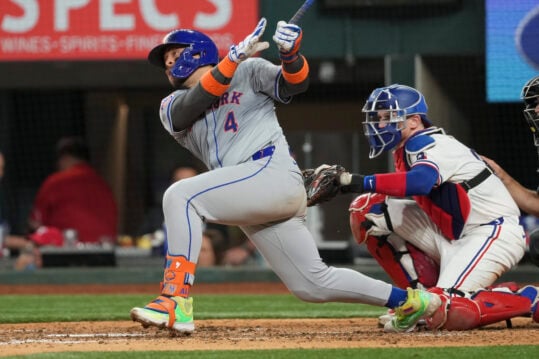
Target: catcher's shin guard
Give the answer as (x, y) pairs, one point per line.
(482, 308)
(179, 273)
(404, 263)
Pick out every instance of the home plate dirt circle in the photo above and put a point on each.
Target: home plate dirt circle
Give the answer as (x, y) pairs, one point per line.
(19, 339)
(237, 334)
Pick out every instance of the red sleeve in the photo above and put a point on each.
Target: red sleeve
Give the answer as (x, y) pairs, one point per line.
(417, 182)
(393, 184)
(40, 206)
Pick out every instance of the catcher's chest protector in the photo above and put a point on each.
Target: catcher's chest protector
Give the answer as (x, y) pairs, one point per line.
(448, 205)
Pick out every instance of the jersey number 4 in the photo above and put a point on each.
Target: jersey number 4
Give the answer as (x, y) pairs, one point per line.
(230, 123)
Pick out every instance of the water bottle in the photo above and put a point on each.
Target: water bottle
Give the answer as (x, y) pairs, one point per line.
(70, 237)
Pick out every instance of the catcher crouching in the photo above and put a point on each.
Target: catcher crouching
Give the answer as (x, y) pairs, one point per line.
(442, 221)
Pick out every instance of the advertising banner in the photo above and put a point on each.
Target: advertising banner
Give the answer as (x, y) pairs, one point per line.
(114, 29)
(512, 46)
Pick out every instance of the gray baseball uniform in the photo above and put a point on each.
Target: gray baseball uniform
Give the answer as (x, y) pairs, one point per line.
(256, 184)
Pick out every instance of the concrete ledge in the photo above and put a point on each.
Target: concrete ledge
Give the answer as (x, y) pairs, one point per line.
(98, 275)
(154, 274)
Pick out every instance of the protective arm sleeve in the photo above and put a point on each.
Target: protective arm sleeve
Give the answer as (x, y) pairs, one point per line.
(295, 77)
(190, 107)
(418, 181)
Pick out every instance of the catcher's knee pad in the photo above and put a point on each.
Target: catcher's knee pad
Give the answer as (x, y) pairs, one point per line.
(404, 263)
(482, 308)
(369, 216)
(179, 273)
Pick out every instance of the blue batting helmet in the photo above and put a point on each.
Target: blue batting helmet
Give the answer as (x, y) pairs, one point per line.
(199, 51)
(399, 101)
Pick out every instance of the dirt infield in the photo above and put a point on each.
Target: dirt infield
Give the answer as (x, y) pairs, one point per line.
(18, 339)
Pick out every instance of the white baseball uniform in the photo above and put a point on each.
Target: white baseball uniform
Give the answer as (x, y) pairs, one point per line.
(491, 240)
(255, 183)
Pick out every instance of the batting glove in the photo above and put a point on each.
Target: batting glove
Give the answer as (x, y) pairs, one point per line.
(288, 38)
(250, 45)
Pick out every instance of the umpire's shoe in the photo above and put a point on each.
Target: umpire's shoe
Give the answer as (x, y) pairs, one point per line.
(419, 305)
(174, 313)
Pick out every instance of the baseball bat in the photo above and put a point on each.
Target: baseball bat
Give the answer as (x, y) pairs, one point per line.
(301, 11)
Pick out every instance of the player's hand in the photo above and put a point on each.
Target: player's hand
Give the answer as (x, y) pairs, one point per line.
(250, 45)
(288, 39)
(497, 169)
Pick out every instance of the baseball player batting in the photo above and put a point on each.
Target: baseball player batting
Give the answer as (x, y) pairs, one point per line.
(224, 113)
(457, 235)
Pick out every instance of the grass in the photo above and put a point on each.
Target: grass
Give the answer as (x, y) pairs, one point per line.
(46, 308)
(525, 351)
(63, 308)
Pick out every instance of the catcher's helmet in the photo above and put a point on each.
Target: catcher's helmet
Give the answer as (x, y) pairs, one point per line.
(399, 101)
(530, 95)
(199, 51)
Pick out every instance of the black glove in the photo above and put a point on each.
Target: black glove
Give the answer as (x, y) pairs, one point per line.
(352, 183)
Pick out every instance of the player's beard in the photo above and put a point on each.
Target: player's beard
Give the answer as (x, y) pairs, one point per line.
(177, 83)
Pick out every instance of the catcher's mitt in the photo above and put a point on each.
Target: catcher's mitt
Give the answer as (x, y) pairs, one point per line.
(322, 184)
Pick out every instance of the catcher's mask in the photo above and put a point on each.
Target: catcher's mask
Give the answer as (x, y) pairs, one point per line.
(530, 95)
(386, 110)
(199, 51)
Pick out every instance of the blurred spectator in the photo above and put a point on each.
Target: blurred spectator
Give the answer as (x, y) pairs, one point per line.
(242, 251)
(75, 199)
(213, 247)
(182, 172)
(28, 256)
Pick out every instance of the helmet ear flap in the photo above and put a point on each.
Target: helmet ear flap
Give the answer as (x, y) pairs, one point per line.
(200, 51)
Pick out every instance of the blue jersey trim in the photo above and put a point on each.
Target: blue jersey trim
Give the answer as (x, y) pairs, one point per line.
(419, 143)
(215, 139)
(169, 115)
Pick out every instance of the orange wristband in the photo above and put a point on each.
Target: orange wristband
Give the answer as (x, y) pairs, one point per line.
(299, 76)
(210, 84)
(227, 67)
